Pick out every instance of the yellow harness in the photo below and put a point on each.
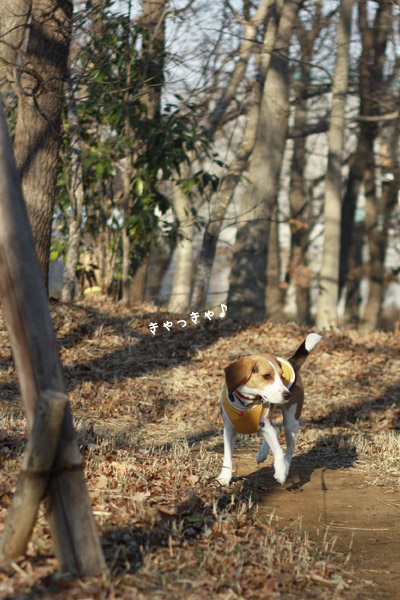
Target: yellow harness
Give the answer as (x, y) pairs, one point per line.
(248, 420)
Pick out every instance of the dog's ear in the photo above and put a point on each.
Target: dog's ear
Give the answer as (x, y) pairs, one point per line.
(238, 372)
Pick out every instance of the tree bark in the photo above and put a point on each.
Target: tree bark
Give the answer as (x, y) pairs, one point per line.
(105, 257)
(127, 203)
(152, 72)
(362, 163)
(349, 257)
(354, 274)
(153, 54)
(298, 270)
(40, 72)
(299, 223)
(139, 280)
(239, 164)
(247, 284)
(274, 292)
(126, 267)
(77, 197)
(299, 199)
(14, 15)
(127, 177)
(224, 196)
(329, 276)
(180, 295)
(376, 209)
(377, 242)
(246, 50)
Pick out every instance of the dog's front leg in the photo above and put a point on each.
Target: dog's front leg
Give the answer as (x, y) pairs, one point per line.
(281, 466)
(230, 436)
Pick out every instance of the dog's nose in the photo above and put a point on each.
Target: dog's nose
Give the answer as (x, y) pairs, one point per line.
(286, 395)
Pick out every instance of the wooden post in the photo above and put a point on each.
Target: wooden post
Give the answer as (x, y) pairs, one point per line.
(24, 298)
(35, 474)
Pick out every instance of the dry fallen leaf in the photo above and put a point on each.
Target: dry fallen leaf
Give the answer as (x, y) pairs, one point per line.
(102, 482)
(140, 496)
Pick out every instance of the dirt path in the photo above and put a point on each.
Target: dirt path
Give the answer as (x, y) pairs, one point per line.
(364, 518)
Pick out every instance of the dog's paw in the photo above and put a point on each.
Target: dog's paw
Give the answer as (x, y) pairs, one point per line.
(224, 477)
(280, 477)
(262, 454)
(281, 471)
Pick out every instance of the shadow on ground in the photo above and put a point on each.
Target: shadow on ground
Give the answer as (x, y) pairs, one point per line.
(333, 452)
(382, 412)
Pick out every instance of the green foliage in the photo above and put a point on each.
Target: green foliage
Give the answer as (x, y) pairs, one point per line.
(119, 131)
(58, 248)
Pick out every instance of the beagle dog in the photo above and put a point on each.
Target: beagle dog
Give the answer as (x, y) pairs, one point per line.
(254, 386)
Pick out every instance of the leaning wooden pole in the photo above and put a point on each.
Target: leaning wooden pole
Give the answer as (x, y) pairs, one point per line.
(34, 476)
(24, 298)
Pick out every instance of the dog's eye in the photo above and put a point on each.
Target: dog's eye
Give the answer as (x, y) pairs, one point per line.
(267, 376)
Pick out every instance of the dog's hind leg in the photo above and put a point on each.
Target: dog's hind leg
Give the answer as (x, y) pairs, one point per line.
(291, 426)
(263, 452)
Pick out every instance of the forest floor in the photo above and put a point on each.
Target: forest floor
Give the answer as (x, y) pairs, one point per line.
(146, 410)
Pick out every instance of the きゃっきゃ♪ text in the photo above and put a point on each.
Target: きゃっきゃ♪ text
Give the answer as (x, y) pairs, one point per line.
(194, 317)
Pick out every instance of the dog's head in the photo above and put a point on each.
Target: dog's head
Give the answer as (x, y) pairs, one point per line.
(267, 376)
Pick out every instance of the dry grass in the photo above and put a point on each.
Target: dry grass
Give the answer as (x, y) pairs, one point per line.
(168, 530)
(146, 412)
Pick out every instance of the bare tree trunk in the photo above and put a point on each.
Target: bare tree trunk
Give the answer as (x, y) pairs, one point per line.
(349, 257)
(246, 50)
(127, 203)
(329, 277)
(153, 53)
(14, 15)
(362, 164)
(376, 250)
(152, 66)
(354, 274)
(139, 280)
(126, 266)
(248, 47)
(274, 292)
(299, 224)
(377, 243)
(40, 72)
(180, 295)
(104, 255)
(127, 176)
(364, 151)
(160, 256)
(375, 40)
(246, 297)
(77, 196)
(224, 196)
(298, 270)
(239, 164)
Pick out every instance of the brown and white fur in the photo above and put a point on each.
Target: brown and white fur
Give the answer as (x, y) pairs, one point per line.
(261, 376)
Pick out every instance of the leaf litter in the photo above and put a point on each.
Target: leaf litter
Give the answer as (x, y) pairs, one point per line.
(146, 410)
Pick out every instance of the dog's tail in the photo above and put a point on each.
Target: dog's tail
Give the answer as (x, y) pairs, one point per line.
(304, 350)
